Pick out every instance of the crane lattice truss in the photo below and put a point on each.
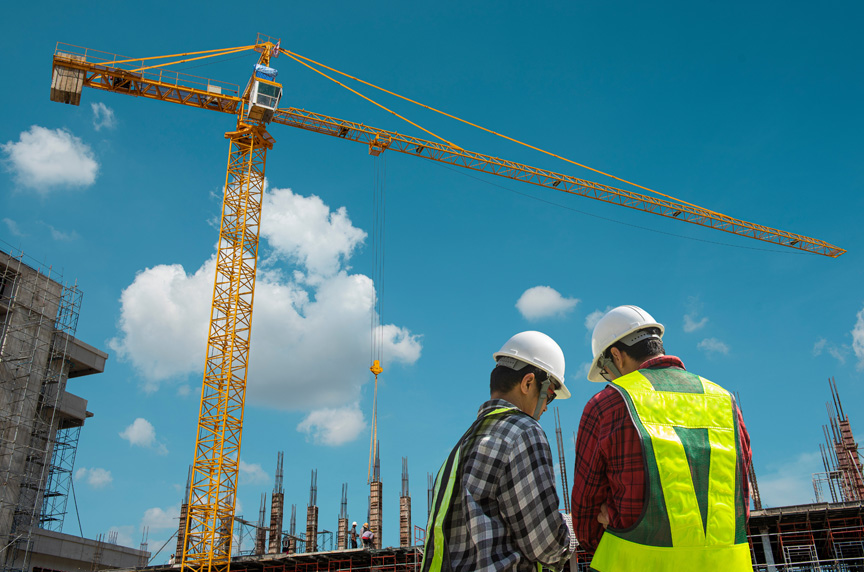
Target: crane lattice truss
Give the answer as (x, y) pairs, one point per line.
(217, 451)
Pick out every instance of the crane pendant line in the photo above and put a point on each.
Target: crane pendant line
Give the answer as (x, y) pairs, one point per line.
(212, 495)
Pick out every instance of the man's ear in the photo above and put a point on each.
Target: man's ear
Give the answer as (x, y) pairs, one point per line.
(617, 358)
(526, 382)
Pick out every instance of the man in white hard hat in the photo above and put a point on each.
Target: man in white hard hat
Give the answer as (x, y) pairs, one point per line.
(662, 457)
(494, 505)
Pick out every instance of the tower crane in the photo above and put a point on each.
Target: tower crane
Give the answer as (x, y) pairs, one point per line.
(217, 449)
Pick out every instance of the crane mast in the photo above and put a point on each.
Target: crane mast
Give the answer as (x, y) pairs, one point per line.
(212, 493)
(209, 525)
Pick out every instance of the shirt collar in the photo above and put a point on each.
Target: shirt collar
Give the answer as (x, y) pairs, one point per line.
(494, 404)
(662, 361)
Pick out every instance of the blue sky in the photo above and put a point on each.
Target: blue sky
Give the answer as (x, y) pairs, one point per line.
(750, 109)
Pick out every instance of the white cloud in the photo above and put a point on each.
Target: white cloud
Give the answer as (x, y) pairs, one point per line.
(13, 227)
(594, 317)
(692, 322)
(158, 518)
(333, 427)
(95, 477)
(839, 353)
(164, 320)
(790, 483)
(142, 434)
(713, 346)
(305, 231)
(61, 236)
(184, 390)
(103, 116)
(252, 473)
(858, 340)
(819, 346)
(43, 159)
(298, 320)
(544, 302)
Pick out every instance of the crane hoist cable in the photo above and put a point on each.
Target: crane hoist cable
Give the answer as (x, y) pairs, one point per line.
(298, 58)
(377, 329)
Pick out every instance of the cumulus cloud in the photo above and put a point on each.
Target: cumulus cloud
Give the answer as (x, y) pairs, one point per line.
(142, 434)
(858, 340)
(306, 232)
(95, 477)
(333, 427)
(103, 116)
(300, 315)
(544, 302)
(158, 518)
(252, 473)
(790, 483)
(713, 346)
(43, 159)
(164, 320)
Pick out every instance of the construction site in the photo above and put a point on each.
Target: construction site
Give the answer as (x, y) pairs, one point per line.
(40, 420)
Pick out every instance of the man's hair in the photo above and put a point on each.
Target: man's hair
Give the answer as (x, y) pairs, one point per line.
(641, 350)
(503, 379)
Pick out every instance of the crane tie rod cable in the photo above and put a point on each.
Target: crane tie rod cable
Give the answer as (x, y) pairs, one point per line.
(212, 52)
(298, 57)
(298, 60)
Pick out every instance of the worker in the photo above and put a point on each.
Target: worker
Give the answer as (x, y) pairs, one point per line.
(353, 534)
(662, 457)
(494, 504)
(367, 536)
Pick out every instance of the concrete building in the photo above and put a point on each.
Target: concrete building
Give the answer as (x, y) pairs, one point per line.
(40, 422)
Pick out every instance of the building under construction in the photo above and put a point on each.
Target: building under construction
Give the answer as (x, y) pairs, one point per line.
(40, 422)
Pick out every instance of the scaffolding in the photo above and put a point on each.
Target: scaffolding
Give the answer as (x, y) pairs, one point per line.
(405, 508)
(59, 478)
(38, 319)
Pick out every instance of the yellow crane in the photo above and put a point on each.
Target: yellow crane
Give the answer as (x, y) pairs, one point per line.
(217, 449)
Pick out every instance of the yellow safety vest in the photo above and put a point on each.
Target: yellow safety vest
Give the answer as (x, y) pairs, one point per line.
(694, 516)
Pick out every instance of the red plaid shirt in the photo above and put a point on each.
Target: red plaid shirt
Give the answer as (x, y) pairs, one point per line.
(609, 466)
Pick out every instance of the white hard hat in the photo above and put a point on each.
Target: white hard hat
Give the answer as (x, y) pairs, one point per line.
(353, 524)
(539, 350)
(617, 324)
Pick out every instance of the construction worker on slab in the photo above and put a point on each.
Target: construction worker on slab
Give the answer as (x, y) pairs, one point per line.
(494, 505)
(662, 457)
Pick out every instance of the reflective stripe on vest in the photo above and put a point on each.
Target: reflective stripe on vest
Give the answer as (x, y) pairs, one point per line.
(434, 547)
(693, 517)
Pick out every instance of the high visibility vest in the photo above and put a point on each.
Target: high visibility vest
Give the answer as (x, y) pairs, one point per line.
(447, 487)
(694, 516)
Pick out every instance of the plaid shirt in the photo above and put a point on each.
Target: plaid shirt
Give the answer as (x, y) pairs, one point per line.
(506, 515)
(609, 466)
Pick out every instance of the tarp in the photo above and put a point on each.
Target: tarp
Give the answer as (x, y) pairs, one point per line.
(265, 72)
